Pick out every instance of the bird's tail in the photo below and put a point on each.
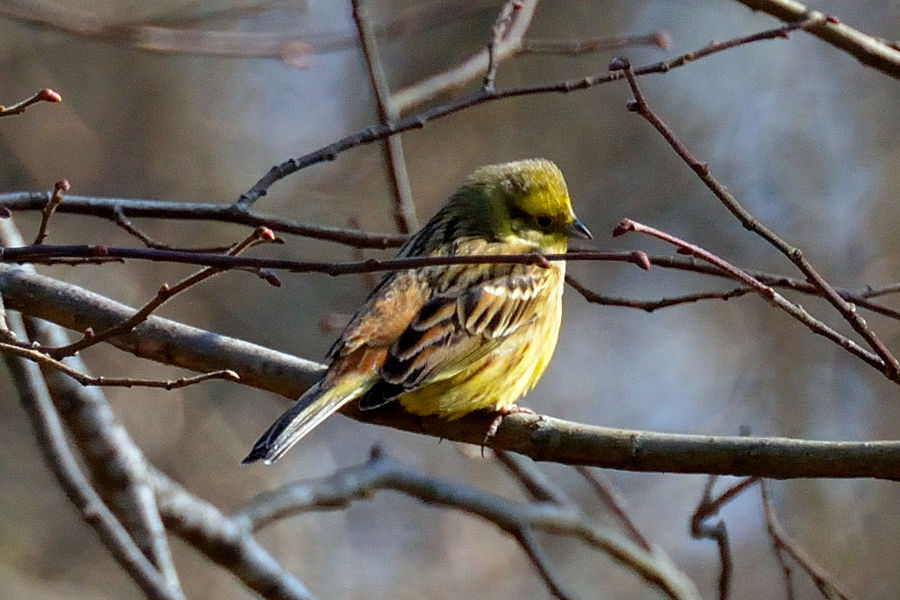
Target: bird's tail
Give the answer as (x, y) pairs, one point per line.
(317, 404)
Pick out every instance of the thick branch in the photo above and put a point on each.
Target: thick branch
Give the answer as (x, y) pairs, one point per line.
(541, 438)
(157, 339)
(868, 50)
(554, 440)
(227, 541)
(516, 518)
(51, 440)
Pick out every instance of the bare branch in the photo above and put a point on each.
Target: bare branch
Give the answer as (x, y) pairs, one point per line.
(404, 207)
(890, 366)
(49, 208)
(773, 297)
(44, 360)
(113, 208)
(782, 543)
(44, 95)
(708, 507)
(540, 437)
(868, 50)
(516, 518)
(62, 462)
(227, 541)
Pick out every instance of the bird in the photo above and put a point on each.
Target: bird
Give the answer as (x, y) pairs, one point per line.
(449, 340)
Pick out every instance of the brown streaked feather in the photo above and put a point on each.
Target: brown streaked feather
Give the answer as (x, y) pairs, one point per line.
(391, 306)
(446, 341)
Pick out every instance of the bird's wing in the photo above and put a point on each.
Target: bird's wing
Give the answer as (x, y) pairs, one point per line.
(457, 326)
(385, 315)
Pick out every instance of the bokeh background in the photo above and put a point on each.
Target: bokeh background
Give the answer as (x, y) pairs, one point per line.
(803, 135)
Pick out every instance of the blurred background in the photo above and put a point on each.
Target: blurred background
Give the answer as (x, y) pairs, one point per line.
(804, 136)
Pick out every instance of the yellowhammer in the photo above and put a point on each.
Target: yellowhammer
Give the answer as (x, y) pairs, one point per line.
(449, 340)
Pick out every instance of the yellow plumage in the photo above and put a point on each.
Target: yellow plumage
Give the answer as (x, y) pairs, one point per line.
(450, 340)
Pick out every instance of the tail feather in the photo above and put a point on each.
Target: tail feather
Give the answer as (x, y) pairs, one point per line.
(313, 407)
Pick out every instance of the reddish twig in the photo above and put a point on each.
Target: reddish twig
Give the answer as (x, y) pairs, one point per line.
(52, 204)
(783, 544)
(44, 95)
(889, 365)
(767, 292)
(164, 294)
(700, 529)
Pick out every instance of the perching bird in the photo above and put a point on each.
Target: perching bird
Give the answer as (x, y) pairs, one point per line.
(449, 340)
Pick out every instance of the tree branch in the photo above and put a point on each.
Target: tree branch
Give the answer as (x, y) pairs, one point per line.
(870, 51)
(542, 438)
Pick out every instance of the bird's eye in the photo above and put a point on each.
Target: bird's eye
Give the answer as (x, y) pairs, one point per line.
(543, 222)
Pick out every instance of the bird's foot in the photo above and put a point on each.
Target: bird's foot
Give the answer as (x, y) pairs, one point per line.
(510, 409)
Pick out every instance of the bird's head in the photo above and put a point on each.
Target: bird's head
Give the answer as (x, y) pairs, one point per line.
(522, 201)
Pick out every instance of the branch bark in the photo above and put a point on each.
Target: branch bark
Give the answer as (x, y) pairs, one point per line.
(541, 438)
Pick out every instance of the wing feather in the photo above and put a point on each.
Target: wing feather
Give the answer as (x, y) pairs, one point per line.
(456, 327)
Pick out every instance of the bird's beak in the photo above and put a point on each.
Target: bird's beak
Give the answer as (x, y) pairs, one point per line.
(577, 229)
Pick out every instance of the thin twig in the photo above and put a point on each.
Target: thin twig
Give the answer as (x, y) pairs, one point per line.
(164, 294)
(404, 207)
(890, 365)
(541, 562)
(44, 95)
(604, 490)
(653, 305)
(64, 465)
(767, 292)
(44, 360)
(781, 542)
(116, 209)
(111, 208)
(52, 204)
(126, 224)
(499, 30)
(700, 529)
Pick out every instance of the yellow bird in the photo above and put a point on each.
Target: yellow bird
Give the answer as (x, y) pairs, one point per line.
(449, 340)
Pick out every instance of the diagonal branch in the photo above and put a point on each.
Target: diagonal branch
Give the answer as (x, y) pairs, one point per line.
(868, 50)
(417, 121)
(51, 439)
(890, 365)
(519, 519)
